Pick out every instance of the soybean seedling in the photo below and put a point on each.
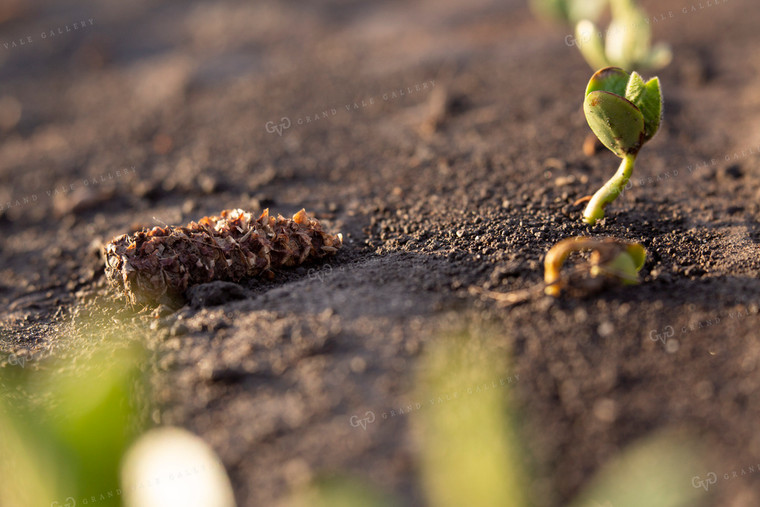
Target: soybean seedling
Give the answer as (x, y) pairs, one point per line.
(628, 41)
(624, 112)
(612, 261)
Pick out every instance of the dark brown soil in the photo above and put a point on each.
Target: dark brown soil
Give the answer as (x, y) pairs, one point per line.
(176, 110)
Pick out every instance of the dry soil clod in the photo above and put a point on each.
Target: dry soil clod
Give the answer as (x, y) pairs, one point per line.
(159, 265)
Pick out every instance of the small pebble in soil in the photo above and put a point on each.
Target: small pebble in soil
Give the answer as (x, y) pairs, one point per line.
(178, 329)
(606, 329)
(734, 171)
(605, 410)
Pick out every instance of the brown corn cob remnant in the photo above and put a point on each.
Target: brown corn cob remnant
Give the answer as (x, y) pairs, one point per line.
(160, 264)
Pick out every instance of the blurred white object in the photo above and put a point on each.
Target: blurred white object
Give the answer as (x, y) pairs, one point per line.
(172, 467)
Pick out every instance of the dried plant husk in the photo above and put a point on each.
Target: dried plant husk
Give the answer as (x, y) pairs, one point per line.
(157, 266)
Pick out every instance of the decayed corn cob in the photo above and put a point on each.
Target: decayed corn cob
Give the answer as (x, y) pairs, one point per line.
(160, 264)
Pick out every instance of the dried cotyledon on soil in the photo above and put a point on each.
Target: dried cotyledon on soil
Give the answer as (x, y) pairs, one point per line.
(158, 265)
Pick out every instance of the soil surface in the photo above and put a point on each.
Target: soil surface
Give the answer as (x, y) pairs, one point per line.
(444, 140)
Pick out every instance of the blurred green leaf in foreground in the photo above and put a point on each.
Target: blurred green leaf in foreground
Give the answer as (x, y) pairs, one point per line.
(66, 422)
(470, 452)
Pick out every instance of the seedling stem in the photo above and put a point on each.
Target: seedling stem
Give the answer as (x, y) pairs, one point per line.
(609, 192)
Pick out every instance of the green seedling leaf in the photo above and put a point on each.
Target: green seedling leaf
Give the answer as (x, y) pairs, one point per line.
(646, 96)
(639, 255)
(585, 9)
(627, 41)
(635, 88)
(568, 11)
(590, 45)
(461, 466)
(616, 121)
(648, 472)
(610, 79)
(650, 106)
(622, 267)
(629, 35)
